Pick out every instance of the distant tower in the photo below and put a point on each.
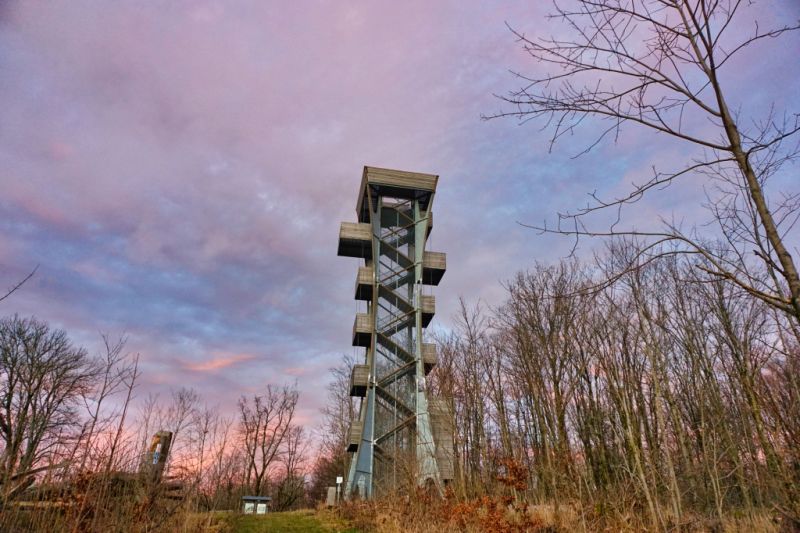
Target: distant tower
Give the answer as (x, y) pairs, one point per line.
(156, 457)
(400, 433)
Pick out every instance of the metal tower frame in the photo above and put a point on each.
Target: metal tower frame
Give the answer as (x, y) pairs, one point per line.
(394, 434)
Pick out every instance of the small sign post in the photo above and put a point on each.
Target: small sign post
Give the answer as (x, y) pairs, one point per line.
(339, 480)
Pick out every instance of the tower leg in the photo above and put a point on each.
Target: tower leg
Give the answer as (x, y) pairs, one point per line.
(360, 476)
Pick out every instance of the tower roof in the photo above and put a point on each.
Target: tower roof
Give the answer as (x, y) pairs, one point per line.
(398, 183)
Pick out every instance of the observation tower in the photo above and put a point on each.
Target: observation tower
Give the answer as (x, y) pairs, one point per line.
(401, 435)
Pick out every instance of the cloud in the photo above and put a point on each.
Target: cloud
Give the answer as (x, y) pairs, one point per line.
(218, 363)
(179, 170)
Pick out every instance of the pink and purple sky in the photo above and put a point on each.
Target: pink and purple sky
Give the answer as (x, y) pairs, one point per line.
(178, 170)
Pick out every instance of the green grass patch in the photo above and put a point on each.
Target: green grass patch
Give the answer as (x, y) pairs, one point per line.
(295, 521)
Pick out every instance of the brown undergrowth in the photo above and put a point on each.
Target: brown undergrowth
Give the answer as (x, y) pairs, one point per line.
(508, 512)
(425, 511)
(500, 515)
(423, 514)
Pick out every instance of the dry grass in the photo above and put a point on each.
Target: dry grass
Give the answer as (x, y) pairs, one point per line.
(499, 515)
(418, 514)
(422, 514)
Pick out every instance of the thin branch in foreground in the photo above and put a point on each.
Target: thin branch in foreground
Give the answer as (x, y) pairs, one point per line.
(16, 287)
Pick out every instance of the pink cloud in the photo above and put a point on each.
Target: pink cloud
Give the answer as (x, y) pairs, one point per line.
(296, 371)
(218, 363)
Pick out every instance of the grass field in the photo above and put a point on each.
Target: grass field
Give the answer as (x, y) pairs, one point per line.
(296, 521)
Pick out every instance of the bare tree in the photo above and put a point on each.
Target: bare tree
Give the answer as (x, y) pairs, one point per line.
(179, 417)
(264, 426)
(661, 65)
(338, 412)
(222, 470)
(204, 427)
(660, 394)
(42, 379)
(291, 486)
(128, 383)
(114, 368)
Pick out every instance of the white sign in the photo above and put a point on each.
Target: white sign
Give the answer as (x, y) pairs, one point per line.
(339, 480)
